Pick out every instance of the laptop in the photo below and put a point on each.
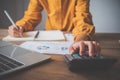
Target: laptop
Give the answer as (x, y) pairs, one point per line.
(14, 58)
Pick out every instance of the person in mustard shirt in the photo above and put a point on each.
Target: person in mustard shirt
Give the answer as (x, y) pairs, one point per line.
(65, 15)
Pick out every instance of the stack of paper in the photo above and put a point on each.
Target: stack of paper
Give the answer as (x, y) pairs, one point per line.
(48, 35)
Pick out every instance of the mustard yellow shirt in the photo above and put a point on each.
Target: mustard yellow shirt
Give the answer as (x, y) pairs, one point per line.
(64, 15)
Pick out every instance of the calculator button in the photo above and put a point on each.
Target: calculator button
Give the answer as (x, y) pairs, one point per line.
(76, 56)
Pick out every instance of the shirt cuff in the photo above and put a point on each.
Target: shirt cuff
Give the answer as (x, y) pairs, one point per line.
(81, 37)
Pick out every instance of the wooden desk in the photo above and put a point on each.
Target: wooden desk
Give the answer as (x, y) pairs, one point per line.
(57, 68)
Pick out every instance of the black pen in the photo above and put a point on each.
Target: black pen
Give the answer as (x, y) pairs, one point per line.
(37, 34)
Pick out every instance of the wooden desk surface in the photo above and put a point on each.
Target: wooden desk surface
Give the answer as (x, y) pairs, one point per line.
(57, 68)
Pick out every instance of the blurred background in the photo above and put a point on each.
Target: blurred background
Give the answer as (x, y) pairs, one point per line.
(106, 14)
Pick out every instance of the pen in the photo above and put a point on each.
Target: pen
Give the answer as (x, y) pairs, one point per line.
(10, 19)
(37, 34)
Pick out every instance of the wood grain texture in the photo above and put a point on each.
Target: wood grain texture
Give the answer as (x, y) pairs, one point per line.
(57, 69)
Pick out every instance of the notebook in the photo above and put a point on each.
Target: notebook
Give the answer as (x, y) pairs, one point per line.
(48, 35)
(14, 58)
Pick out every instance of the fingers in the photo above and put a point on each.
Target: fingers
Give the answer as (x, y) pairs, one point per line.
(73, 48)
(20, 32)
(82, 48)
(12, 31)
(92, 47)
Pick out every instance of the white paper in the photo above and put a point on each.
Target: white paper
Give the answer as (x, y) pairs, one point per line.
(47, 35)
(49, 47)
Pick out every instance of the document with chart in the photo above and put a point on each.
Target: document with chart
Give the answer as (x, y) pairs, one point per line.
(50, 47)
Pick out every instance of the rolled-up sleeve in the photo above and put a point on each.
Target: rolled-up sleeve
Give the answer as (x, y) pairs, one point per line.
(32, 16)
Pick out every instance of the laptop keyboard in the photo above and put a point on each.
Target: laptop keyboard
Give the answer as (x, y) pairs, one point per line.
(7, 64)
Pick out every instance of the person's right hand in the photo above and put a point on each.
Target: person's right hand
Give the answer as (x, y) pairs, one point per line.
(12, 31)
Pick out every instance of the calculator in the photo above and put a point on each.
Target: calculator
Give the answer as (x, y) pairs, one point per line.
(78, 63)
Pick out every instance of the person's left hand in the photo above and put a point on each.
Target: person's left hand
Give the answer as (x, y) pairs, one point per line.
(80, 47)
